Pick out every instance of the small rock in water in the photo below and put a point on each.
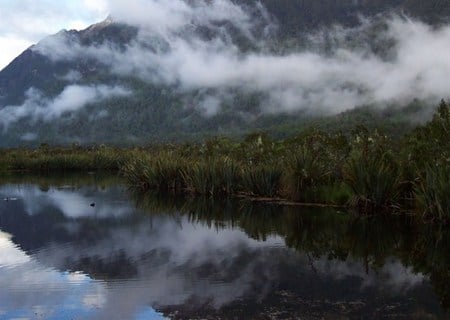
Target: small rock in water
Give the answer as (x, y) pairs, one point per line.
(92, 204)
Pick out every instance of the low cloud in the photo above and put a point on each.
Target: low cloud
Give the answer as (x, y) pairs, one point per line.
(72, 76)
(72, 98)
(165, 17)
(29, 136)
(171, 50)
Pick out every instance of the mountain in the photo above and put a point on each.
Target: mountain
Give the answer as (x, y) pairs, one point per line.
(220, 67)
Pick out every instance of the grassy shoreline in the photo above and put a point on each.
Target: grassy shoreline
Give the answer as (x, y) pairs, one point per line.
(366, 171)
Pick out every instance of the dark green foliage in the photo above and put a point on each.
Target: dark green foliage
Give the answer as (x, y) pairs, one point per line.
(306, 172)
(161, 173)
(262, 180)
(430, 144)
(374, 182)
(372, 173)
(433, 192)
(213, 177)
(428, 156)
(314, 165)
(46, 159)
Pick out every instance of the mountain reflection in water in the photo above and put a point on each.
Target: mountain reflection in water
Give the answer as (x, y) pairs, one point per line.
(130, 255)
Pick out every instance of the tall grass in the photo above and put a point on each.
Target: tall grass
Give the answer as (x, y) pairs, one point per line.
(433, 193)
(372, 173)
(161, 173)
(374, 182)
(59, 159)
(262, 180)
(305, 174)
(213, 177)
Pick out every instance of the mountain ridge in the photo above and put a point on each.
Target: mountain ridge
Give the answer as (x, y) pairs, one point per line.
(162, 101)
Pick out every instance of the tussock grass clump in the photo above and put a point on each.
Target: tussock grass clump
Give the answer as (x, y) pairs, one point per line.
(433, 193)
(305, 173)
(161, 173)
(213, 177)
(374, 183)
(372, 173)
(262, 181)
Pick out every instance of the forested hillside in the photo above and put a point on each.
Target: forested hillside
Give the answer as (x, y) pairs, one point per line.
(227, 68)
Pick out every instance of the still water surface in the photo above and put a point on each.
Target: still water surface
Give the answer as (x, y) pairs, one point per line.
(86, 248)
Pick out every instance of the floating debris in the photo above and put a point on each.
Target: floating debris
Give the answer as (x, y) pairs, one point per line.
(10, 199)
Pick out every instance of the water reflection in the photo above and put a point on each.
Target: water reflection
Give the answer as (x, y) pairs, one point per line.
(30, 290)
(123, 258)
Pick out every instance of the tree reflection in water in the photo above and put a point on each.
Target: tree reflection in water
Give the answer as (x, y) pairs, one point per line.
(215, 258)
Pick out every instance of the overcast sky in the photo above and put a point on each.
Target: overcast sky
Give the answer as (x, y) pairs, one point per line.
(25, 22)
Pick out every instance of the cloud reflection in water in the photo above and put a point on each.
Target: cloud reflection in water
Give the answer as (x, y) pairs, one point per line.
(140, 260)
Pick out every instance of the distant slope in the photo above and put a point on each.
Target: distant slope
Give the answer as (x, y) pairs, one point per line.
(152, 105)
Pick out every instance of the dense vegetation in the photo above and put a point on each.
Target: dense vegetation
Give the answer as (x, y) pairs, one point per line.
(369, 171)
(46, 159)
(366, 170)
(129, 122)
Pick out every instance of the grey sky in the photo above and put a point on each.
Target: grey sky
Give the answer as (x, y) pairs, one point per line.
(25, 22)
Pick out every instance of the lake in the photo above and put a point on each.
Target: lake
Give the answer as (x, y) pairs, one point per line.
(85, 247)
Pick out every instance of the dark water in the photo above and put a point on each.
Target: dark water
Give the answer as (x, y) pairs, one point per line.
(86, 248)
